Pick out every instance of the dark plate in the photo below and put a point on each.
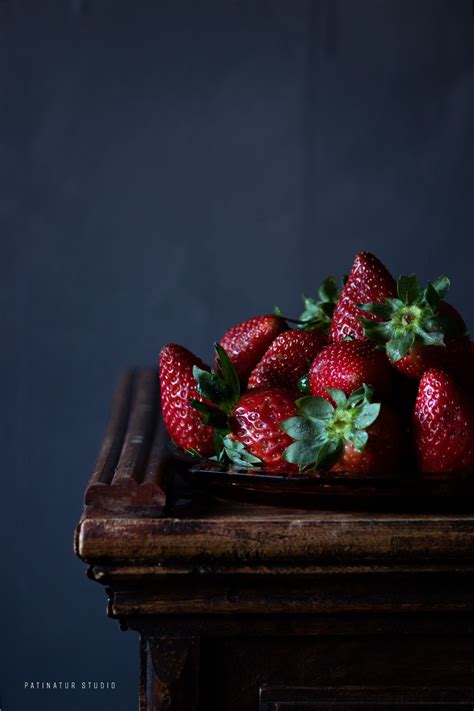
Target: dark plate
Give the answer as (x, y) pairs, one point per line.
(407, 491)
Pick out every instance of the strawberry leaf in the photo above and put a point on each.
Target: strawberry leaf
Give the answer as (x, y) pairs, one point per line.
(315, 407)
(408, 289)
(193, 453)
(358, 397)
(211, 387)
(359, 439)
(316, 314)
(383, 311)
(339, 397)
(302, 454)
(367, 415)
(399, 346)
(432, 297)
(442, 285)
(329, 290)
(329, 453)
(433, 338)
(377, 332)
(220, 387)
(219, 445)
(228, 373)
(395, 304)
(303, 428)
(211, 416)
(238, 455)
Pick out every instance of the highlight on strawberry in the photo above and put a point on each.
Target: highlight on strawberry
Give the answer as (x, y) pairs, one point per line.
(368, 281)
(347, 365)
(287, 359)
(178, 390)
(246, 342)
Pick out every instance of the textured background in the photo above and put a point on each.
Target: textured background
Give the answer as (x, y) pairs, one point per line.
(168, 168)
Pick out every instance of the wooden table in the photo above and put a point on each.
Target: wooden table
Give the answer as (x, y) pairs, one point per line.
(241, 606)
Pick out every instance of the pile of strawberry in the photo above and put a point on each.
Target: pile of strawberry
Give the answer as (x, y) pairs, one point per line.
(372, 379)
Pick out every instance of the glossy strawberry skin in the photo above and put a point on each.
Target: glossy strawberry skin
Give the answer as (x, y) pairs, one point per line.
(382, 453)
(369, 281)
(455, 356)
(256, 424)
(247, 342)
(178, 387)
(347, 366)
(443, 425)
(287, 359)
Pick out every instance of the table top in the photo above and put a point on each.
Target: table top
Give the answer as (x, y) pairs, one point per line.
(128, 519)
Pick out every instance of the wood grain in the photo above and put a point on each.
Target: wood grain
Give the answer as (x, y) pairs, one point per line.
(289, 594)
(138, 437)
(112, 443)
(309, 538)
(130, 469)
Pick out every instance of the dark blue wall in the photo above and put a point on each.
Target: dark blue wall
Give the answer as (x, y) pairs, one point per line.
(169, 168)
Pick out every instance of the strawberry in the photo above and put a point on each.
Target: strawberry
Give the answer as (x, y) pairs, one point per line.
(246, 343)
(356, 435)
(443, 425)
(248, 435)
(368, 281)
(382, 453)
(287, 359)
(255, 424)
(178, 388)
(347, 366)
(419, 330)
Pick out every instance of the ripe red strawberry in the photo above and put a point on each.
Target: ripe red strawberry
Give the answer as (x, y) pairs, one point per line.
(382, 453)
(368, 281)
(246, 343)
(443, 425)
(178, 389)
(247, 427)
(355, 435)
(287, 359)
(420, 331)
(347, 366)
(255, 423)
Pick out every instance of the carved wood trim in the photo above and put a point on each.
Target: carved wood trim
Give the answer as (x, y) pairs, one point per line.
(169, 674)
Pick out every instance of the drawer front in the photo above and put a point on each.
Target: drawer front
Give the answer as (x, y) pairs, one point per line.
(338, 706)
(353, 699)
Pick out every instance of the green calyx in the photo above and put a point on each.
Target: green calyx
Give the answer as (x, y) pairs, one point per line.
(221, 387)
(413, 317)
(317, 312)
(321, 430)
(235, 453)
